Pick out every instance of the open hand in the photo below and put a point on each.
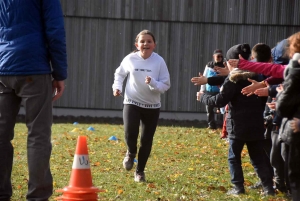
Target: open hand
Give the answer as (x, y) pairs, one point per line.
(222, 71)
(235, 62)
(262, 91)
(199, 94)
(201, 80)
(249, 90)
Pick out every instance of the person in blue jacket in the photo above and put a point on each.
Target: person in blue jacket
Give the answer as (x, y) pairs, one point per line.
(33, 67)
(210, 89)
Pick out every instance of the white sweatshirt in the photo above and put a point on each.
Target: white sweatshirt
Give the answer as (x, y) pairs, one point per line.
(137, 92)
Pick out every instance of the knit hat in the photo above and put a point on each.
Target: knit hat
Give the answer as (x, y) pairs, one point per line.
(218, 51)
(243, 49)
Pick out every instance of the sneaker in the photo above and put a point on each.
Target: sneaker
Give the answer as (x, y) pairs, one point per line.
(128, 161)
(236, 191)
(257, 185)
(282, 188)
(212, 127)
(269, 191)
(288, 194)
(139, 177)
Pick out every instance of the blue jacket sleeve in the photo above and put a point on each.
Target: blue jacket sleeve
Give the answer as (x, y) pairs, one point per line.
(55, 35)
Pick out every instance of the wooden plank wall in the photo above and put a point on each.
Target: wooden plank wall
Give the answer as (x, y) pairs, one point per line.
(100, 33)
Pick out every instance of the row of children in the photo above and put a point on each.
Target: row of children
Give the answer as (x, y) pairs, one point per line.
(271, 135)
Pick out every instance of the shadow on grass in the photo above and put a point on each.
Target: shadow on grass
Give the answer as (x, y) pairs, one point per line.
(118, 121)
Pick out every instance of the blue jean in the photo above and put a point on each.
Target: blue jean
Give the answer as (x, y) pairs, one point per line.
(258, 160)
(36, 93)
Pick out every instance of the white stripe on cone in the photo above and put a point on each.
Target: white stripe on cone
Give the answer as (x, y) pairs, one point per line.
(81, 162)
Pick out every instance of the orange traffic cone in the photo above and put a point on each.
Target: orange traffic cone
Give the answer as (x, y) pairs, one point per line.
(80, 186)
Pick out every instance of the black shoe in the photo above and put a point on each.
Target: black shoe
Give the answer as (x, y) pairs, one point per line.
(256, 185)
(282, 188)
(212, 127)
(236, 191)
(288, 194)
(269, 191)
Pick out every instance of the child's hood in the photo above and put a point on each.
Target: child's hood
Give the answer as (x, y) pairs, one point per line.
(238, 74)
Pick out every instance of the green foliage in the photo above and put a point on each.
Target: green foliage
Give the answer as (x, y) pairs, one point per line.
(185, 164)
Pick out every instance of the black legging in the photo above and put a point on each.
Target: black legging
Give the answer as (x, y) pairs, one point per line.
(132, 117)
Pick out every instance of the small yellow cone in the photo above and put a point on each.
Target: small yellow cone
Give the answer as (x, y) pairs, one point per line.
(75, 130)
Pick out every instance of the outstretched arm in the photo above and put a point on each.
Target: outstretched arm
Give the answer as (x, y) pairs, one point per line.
(227, 92)
(222, 71)
(249, 90)
(201, 80)
(268, 69)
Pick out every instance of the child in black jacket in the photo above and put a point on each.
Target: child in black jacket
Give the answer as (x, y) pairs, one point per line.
(245, 124)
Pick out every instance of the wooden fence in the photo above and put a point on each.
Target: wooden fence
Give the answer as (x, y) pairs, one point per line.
(100, 33)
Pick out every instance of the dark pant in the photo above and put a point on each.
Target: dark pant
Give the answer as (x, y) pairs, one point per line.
(36, 93)
(211, 113)
(132, 117)
(268, 147)
(278, 162)
(258, 160)
(211, 116)
(293, 166)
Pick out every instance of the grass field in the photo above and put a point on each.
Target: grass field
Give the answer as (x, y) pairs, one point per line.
(186, 163)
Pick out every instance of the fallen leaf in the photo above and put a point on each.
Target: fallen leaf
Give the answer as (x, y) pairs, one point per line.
(151, 185)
